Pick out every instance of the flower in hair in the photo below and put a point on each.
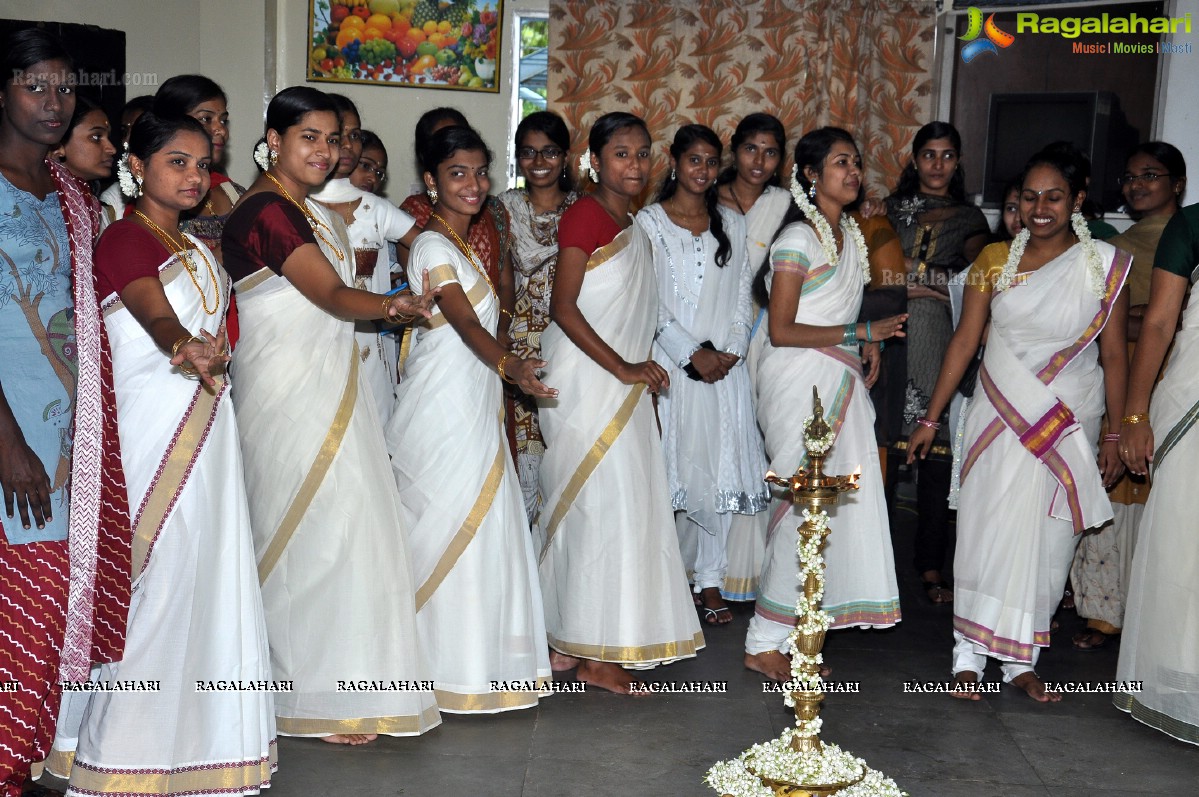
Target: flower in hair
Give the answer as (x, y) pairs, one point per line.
(1096, 273)
(585, 169)
(129, 186)
(262, 155)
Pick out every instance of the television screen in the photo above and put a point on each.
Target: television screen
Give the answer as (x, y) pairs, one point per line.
(1021, 124)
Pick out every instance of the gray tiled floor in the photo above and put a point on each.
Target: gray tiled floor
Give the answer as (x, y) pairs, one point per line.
(601, 744)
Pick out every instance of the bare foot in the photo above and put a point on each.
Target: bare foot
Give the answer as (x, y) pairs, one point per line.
(350, 738)
(560, 662)
(716, 611)
(1031, 683)
(607, 675)
(773, 664)
(964, 684)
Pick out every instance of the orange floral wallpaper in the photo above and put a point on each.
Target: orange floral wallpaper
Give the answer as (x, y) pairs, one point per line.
(864, 65)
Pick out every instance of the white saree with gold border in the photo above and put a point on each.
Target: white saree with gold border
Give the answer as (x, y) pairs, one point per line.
(196, 612)
(860, 585)
(478, 601)
(1160, 644)
(612, 577)
(332, 556)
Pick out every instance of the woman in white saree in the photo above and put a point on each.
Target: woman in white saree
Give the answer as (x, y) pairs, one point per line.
(1160, 645)
(196, 624)
(815, 277)
(332, 560)
(613, 581)
(478, 603)
(1055, 358)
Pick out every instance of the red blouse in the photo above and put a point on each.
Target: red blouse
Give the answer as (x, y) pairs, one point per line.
(586, 225)
(127, 251)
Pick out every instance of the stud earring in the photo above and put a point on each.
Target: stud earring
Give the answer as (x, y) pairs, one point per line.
(274, 156)
(432, 192)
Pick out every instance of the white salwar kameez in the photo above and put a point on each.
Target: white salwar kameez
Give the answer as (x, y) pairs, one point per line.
(612, 578)
(714, 456)
(1160, 643)
(860, 586)
(1018, 511)
(376, 223)
(478, 601)
(332, 557)
(196, 613)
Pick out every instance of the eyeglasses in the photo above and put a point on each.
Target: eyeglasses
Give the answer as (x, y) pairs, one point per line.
(366, 167)
(1147, 178)
(549, 153)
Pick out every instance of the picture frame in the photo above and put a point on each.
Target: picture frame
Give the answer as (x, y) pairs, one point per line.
(428, 44)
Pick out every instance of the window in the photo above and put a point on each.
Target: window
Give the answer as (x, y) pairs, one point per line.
(531, 69)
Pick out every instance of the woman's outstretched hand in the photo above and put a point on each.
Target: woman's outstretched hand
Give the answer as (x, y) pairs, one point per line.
(406, 306)
(890, 327)
(526, 374)
(204, 358)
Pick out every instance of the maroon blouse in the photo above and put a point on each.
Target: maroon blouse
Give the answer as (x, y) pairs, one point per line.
(262, 232)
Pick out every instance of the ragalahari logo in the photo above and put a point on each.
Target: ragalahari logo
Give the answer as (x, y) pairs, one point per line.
(995, 38)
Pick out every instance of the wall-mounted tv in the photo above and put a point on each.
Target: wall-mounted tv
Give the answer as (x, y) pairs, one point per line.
(1020, 124)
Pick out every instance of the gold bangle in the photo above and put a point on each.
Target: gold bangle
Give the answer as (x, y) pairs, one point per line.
(179, 344)
(1131, 420)
(500, 367)
(386, 308)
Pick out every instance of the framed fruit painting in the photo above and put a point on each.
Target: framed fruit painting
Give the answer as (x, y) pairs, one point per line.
(434, 44)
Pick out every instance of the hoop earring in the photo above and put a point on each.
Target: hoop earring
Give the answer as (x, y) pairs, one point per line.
(432, 192)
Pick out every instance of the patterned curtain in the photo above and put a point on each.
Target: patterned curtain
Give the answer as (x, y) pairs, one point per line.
(864, 65)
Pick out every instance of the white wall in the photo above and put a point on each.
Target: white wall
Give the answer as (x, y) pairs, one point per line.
(222, 39)
(1178, 96)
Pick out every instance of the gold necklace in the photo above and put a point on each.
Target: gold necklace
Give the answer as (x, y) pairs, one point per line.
(313, 221)
(469, 251)
(181, 253)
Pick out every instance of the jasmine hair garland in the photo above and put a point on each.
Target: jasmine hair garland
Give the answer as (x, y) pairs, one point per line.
(824, 230)
(130, 185)
(1096, 274)
(262, 155)
(585, 169)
